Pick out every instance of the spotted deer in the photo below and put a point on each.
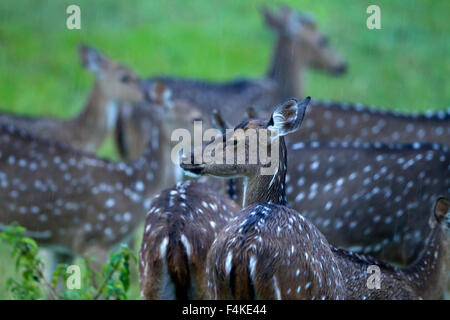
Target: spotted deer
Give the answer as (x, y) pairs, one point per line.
(269, 245)
(136, 124)
(370, 197)
(75, 202)
(296, 34)
(113, 83)
(332, 120)
(341, 121)
(424, 279)
(273, 252)
(180, 227)
(299, 45)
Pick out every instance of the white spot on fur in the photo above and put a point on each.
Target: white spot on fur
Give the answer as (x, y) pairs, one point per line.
(186, 244)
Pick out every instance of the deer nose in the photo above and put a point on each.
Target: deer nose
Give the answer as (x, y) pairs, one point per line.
(187, 164)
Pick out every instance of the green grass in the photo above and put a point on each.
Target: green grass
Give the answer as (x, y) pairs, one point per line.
(404, 66)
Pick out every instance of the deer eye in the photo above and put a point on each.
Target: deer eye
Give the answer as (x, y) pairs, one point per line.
(125, 79)
(323, 42)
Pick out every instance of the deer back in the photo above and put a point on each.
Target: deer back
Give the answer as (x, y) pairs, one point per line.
(272, 252)
(370, 197)
(343, 121)
(69, 199)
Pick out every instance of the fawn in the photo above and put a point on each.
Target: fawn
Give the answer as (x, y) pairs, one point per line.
(179, 229)
(114, 83)
(273, 252)
(75, 202)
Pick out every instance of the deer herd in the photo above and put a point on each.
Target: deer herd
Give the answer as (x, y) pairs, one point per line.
(354, 186)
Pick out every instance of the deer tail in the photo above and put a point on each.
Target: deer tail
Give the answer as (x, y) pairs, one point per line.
(178, 253)
(241, 278)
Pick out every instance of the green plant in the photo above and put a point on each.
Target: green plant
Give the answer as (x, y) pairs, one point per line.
(112, 282)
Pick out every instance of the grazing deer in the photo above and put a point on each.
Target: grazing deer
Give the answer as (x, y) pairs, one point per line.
(272, 252)
(114, 83)
(180, 227)
(76, 202)
(426, 278)
(269, 247)
(371, 197)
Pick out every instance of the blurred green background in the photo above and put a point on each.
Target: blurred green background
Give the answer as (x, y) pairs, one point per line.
(405, 66)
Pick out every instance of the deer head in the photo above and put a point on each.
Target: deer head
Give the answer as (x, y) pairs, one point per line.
(116, 81)
(308, 41)
(442, 213)
(244, 145)
(175, 113)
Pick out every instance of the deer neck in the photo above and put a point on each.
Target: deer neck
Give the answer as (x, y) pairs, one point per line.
(267, 188)
(430, 271)
(98, 116)
(152, 165)
(286, 69)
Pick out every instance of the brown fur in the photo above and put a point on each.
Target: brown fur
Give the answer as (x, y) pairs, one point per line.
(73, 201)
(341, 121)
(426, 278)
(190, 211)
(88, 130)
(282, 240)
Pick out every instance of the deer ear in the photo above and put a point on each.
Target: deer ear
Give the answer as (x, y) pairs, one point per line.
(159, 92)
(271, 18)
(218, 121)
(441, 209)
(288, 116)
(92, 59)
(307, 19)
